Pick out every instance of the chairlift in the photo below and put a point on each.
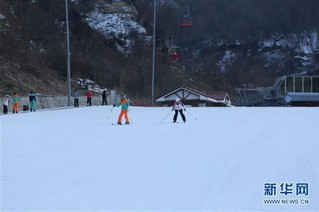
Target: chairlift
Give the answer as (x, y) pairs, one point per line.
(176, 53)
(186, 20)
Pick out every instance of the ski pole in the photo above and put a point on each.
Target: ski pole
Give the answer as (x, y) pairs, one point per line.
(166, 116)
(131, 120)
(110, 112)
(191, 115)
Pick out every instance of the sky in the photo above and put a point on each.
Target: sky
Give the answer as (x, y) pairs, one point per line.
(221, 159)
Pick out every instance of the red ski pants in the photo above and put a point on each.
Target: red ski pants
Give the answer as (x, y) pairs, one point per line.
(125, 114)
(15, 107)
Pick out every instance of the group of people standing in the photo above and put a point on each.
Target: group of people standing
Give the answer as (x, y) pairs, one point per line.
(89, 94)
(16, 102)
(32, 100)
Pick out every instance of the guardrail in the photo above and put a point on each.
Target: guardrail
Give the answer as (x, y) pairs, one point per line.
(52, 102)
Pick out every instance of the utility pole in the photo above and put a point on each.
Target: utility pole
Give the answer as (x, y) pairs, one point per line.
(68, 52)
(154, 40)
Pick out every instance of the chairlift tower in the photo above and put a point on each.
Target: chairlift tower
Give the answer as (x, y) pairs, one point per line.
(68, 52)
(154, 52)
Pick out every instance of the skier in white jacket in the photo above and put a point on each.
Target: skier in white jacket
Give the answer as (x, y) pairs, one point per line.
(178, 106)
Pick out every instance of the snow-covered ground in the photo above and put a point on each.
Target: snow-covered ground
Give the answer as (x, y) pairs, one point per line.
(227, 159)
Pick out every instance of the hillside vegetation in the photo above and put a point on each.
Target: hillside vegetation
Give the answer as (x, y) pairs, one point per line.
(232, 42)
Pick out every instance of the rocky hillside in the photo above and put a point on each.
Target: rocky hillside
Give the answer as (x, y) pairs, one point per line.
(230, 43)
(16, 78)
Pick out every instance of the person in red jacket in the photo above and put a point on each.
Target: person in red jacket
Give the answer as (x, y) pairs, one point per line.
(89, 95)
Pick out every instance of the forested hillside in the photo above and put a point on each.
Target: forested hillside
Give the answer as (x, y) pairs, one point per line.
(230, 43)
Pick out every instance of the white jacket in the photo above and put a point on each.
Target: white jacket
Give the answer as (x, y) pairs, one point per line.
(6, 101)
(178, 106)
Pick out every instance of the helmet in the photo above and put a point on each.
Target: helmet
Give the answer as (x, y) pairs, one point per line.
(177, 100)
(123, 97)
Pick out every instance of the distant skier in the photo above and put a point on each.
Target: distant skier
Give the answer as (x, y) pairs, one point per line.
(5, 104)
(104, 97)
(76, 96)
(32, 100)
(178, 106)
(16, 102)
(89, 95)
(124, 103)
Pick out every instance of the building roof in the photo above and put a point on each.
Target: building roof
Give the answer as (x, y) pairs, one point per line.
(187, 93)
(218, 95)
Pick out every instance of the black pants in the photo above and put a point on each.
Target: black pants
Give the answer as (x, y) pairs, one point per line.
(5, 109)
(76, 102)
(88, 101)
(104, 101)
(176, 114)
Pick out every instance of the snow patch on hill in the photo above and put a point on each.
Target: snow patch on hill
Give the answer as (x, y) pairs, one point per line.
(115, 25)
(306, 42)
(75, 1)
(2, 16)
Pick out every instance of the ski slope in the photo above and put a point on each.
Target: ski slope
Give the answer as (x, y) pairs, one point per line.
(76, 160)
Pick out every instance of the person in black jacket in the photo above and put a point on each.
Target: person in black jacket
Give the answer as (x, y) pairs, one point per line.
(32, 100)
(104, 97)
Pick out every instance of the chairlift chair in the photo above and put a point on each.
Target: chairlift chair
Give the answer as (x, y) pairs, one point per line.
(176, 53)
(186, 20)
